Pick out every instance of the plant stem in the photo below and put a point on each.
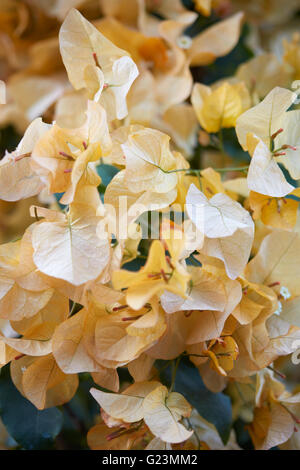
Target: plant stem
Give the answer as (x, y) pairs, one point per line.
(74, 418)
(195, 434)
(205, 356)
(233, 168)
(219, 170)
(276, 372)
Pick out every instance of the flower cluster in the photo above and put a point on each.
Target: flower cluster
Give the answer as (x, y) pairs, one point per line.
(136, 256)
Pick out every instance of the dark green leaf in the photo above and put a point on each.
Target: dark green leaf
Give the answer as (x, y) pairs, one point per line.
(106, 173)
(232, 146)
(188, 4)
(191, 261)
(289, 180)
(31, 428)
(134, 265)
(58, 196)
(79, 416)
(242, 435)
(201, 23)
(9, 139)
(224, 66)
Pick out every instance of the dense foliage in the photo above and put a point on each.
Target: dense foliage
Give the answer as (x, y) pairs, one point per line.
(150, 247)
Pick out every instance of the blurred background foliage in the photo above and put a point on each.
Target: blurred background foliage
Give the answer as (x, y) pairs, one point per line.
(65, 427)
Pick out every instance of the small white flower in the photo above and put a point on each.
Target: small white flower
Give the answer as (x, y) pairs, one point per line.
(285, 293)
(184, 42)
(23, 369)
(279, 309)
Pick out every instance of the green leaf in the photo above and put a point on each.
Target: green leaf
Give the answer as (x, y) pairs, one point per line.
(58, 196)
(106, 173)
(200, 24)
(289, 180)
(225, 66)
(191, 261)
(188, 4)
(31, 428)
(214, 407)
(232, 146)
(79, 416)
(9, 139)
(242, 435)
(134, 265)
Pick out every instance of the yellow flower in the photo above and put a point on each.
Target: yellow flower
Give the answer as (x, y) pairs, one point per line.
(219, 107)
(160, 273)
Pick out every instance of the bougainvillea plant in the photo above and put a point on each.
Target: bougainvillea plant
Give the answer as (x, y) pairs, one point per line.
(150, 248)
